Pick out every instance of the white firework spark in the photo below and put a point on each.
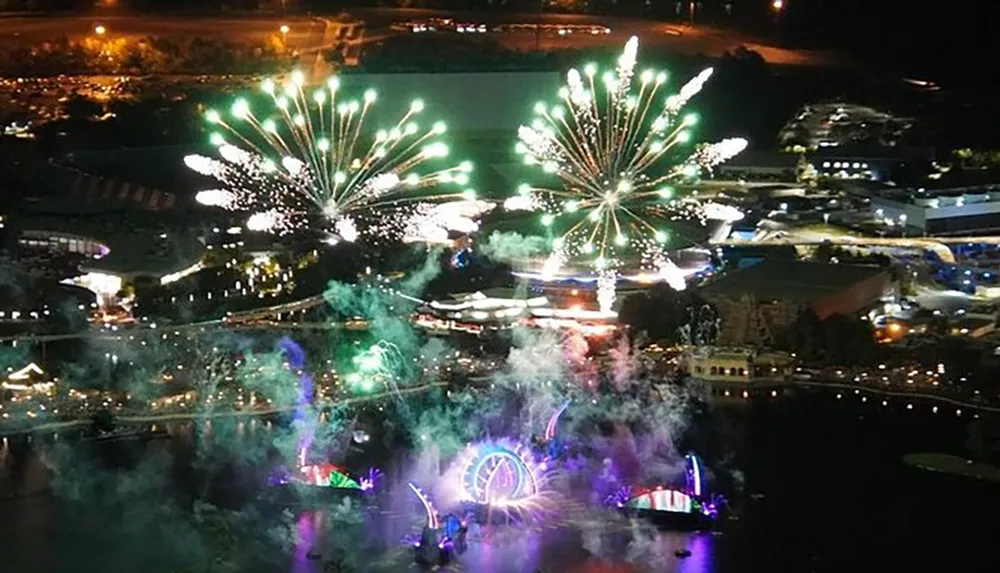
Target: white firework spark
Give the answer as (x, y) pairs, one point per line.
(313, 160)
(607, 142)
(606, 286)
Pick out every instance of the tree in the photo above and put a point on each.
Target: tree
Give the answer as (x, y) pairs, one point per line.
(837, 340)
(666, 315)
(824, 252)
(82, 108)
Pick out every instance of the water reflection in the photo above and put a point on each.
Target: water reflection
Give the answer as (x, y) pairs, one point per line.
(778, 461)
(305, 541)
(592, 546)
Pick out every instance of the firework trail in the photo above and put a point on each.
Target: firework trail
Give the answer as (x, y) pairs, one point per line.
(609, 142)
(314, 161)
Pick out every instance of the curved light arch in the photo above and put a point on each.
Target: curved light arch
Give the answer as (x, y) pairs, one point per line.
(550, 430)
(432, 516)
(484, 467)
(694, 475)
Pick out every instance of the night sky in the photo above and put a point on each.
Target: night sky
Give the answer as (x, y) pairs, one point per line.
(929, 34)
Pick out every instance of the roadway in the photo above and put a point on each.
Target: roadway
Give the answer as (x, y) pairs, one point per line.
(308, 34)
(30, 31)
(937, 245)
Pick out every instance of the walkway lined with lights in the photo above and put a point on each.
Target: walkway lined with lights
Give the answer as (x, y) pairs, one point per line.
(897, 394)
(56, 426)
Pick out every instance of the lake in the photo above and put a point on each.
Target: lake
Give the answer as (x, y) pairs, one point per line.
(817, 484)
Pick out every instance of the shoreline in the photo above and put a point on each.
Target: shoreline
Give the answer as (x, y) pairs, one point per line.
(181, 416)
(755, 388)
(953, 465)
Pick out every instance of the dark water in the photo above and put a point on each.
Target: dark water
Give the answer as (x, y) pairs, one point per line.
(830, 494)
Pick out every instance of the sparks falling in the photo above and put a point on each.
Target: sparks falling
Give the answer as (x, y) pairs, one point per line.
(609, 142)
(312, 159)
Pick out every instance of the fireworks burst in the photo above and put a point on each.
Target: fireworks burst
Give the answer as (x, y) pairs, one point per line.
(314, 158)
(381, 364)
(505, 478)
(608, 142)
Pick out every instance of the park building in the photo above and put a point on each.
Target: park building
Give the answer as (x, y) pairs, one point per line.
(493, 309)
(738, 365)
(722, 364)
(842, 124)
(41, 306)
(496, 309)
(758, 302)
(866, 163)
(938, 210)
(27, 383)
(109, 255)
(759, 166)
(847, 168)
(851, 164)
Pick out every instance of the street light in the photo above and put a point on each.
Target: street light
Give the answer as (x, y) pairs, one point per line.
(778, 7)
(100, 30)
(284, 35)
(538, 26)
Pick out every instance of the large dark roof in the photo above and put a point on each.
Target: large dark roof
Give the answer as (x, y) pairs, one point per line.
(797, 281)
(772, 159)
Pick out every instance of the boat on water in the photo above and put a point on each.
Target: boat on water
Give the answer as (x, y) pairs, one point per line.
(319, 483)
(690, 508)
(125, 433)
(670, 509)
(104, 429)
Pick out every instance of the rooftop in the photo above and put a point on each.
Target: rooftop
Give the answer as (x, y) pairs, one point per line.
(799, 281)
(773, 159)
(134, 248)
(497, 295)
(873, 153)
(726, 352)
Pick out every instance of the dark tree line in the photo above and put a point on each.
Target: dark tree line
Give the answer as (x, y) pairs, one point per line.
(838, 340)
(665, 315)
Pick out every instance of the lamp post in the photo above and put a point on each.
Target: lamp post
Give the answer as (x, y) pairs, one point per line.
(99, 32)
(284, 29)
(778, 7)
(538, 26)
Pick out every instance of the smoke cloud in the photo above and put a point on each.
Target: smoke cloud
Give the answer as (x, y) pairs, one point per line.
(510, 246)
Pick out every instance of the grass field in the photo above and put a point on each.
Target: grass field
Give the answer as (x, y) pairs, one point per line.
(953, 465)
